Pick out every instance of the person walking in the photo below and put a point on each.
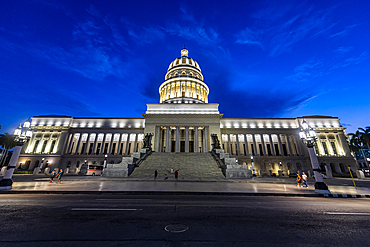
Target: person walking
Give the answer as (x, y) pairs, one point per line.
(155, 174)
(165, 177)
(304, 179)
(177, 174)
(53, 174)
(60, 174)
(299, 180)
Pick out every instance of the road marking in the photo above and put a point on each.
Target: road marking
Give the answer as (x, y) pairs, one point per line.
(340, 213)
(105, 209)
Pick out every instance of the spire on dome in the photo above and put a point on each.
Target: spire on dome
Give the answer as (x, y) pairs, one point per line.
(184, 52)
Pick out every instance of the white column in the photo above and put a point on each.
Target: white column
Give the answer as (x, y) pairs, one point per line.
(187, 139)
(102, 144)
(177, 145)
(168, 139)
(272, 145)
(196, 140)
(78, 143)
(111, 143)
(344, 144)
(297, 145)
(289, 146)
(280, 146)
(254, 145)
(206, 139)
(119, 143)
(246, 145)
(237, 145)
(127, 143)
(263, 145)
(157, 138)
(229, 144)
(69, 144)
(135, 144)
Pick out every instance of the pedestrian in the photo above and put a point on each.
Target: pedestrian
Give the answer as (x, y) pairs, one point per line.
(176, 174)
(53, 174)
(299, 181)
(171, 170)
(60, 174)
(304, 179)
(165, 177)
(155, 174)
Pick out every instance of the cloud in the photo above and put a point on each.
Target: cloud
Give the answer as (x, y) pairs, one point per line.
(306, 71)
(345, 31)
(247, 36)
(277, 28)
(343, 50)
(352, 60)
(146, 35)
(93, 11)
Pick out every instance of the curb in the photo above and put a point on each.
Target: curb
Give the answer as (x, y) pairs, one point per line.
(158, 193)
(344, 196)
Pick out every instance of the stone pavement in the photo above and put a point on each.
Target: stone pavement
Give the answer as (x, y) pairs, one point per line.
(254, 186)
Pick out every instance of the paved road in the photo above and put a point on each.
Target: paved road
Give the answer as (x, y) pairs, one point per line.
(122, 220)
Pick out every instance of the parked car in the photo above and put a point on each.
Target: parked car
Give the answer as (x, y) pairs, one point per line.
(292, 175)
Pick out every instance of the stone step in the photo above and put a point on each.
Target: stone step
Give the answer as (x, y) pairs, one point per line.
(188, 164)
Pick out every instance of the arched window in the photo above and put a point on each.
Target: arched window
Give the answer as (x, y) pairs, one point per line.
(322, 167)
(27, 164)
(78, 164)
(111, 162)
(37, 163)
(289, 166)
(332, 167)
(298, 166)
(342, 168)
(69, 164)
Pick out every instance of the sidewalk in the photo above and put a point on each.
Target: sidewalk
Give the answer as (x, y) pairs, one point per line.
(254, 186)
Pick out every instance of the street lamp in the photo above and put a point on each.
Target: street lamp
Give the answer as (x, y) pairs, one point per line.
(42, 162)
(308, 136)
(105, 161)
(253, 171)
(21, 136)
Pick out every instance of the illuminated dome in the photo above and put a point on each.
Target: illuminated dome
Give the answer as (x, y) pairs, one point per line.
(184, 82)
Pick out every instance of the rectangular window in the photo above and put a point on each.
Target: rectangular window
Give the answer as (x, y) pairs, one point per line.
(52, 147)
(113, 148)
(83, 148)
(325, 148)
(334, 149)
(120, 149)
(105, 148)
(35, 147)
(316, 148)
(70, 152)
(44, 146)
(91, 148)
(277, 152)
(261, 150)
(252, 147)
(98, 148)
(269, 150)
(245, 151)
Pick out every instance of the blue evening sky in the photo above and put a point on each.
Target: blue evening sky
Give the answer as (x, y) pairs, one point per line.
(259, 58)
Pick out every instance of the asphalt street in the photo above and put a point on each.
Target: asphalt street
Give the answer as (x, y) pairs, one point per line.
(174, 220)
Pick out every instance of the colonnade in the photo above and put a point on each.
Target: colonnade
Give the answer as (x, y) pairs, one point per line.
(182, 139)
(184, 89)
(261, 144)
(332, 144)
(103, 143)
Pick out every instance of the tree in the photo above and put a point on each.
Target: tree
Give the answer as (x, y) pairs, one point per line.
(365, 135)
(356, 144)
(7, 141)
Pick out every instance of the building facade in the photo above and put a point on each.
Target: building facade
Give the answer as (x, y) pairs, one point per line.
(183, 121)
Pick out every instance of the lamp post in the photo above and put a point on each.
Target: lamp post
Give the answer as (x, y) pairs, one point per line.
(253, 170)
(308, 136)
(41, 165)
(105, 161)
(21, 136)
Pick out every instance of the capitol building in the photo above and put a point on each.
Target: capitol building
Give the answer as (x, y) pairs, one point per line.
(182, 124)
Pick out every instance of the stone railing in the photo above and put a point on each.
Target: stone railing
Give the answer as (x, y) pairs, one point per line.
(229, 167)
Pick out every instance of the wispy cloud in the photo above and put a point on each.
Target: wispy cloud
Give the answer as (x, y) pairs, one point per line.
(351, 60)
(345, 31)
(343, 50)
(247, 36)
(278, 28)
(303, 72)
(146, 35)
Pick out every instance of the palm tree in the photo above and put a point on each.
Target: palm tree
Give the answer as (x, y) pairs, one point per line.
(356, 143)
(365, 135)
(7, 142)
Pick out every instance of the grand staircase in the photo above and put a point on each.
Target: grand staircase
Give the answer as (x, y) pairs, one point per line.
(189, 165)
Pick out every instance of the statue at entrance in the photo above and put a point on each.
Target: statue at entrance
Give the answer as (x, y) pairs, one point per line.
(216, 142)
(147, 142)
